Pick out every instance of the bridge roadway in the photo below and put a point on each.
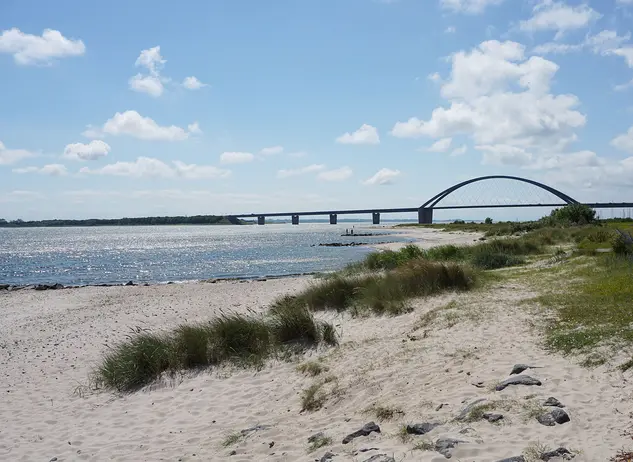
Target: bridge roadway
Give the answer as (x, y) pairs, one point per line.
(333, 214)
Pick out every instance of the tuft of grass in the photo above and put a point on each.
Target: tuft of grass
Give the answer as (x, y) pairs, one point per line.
(240, 338)
(319, 442)
(231, 439)
(336, 293)
(312, 368)
(403, 435)
(313, 397)
(627, 365)
(383, 413)
(623, 455)
(192, 345)
(133, 364)
(291, 321)
(328, 334)
(424, 445)
(534, 451)
(477, 412)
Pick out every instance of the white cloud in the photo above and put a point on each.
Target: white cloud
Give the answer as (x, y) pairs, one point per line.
(460, 151)
(559, 17)
(441, 145)
(604, 42)
(502, 154)
(626, 53)
(468, 6)
(11, 156)
(484, 102)
(147, 167)
(151, 59)
(131, 123)
(272, 150)
(338, 174)
(91, 151)
(236, 157)
(622, 142)
(286, 173)
(192, 83)
(384, 176)
(366, 134)
(450, 30)
(434, 77)
(51, 169)
(566, 161)
(35, 49)
(149, 84)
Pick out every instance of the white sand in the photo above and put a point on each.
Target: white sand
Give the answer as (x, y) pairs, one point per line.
(49, 341)
(427, 237)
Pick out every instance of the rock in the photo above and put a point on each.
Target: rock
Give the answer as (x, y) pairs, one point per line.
(462, 415)
(444, 446)
(380, 458)
(560, 452)
(254, 429)
(518, 380)
(233, 452)
(327, 457)
(41, 287)
(368, 449)
(54, 459)
(421, 428)
(553, 402)
(556, 416)
(4, 286)
(316, 436)
(366, 430)
(130, 283)
(513, 459)
(492, 417)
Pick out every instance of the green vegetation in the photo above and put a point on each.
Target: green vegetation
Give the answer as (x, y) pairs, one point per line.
(229, 338)
(231, 439)
(141, 221)
(319, 441)
(313, 398)
(312, 368)
(383, 413)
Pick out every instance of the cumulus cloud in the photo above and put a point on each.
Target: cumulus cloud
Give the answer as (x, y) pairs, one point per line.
(192, 83)
(622, 142)
(94, 150)
(468, 6)
(236, 157)
(28, 49)
(384, 176)
(604, 42)
(560, 17)
(12, 156)
(149, 84)
(441, 145)
(286, 173)
(131, 123)
(503, 154)
(366, 134)
(51, 169)
(148, 167)
(272, 150)
(497, 96)
(339, 174)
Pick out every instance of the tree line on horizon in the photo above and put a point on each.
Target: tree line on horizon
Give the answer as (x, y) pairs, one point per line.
(141, 221)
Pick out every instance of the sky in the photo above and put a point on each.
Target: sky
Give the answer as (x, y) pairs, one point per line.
(120, 108)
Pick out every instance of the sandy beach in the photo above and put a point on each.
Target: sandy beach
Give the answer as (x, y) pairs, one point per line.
(51, 340)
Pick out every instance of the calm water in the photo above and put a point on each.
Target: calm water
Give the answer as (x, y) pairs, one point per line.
(75, 256)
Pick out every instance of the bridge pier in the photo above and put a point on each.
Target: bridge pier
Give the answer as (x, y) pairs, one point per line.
(333, 218)
(375, 218)
(295, 219)
(261, 220)
(425, 215)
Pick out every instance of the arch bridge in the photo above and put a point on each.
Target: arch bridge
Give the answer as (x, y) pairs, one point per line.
(425, 211)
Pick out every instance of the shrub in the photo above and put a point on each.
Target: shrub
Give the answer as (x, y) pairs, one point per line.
(291, 321)
(336, 293)
(574, 214)
(446, 253)
(489, 259)
(622, 244)
(135, 363)
(488, 221)
(390, 259)
(328, 333)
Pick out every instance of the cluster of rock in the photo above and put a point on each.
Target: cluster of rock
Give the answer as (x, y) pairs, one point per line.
(348, 244)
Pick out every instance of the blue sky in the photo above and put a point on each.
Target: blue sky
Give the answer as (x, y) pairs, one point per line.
(142, 108)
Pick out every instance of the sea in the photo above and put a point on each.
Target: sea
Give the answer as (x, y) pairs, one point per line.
(159, 254)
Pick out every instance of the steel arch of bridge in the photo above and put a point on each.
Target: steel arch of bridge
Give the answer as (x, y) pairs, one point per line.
(438, 197)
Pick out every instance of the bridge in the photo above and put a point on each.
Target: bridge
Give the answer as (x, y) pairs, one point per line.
(425, 211)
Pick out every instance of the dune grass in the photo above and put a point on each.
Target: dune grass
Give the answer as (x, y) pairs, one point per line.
(229, 338)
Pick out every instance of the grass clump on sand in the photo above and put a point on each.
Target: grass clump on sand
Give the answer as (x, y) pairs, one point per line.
(232, 438)
(318, 441)
(229, 338)
(312, 368)
(314, 397)
(136, 362)
(383, 413)
(388, 292)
